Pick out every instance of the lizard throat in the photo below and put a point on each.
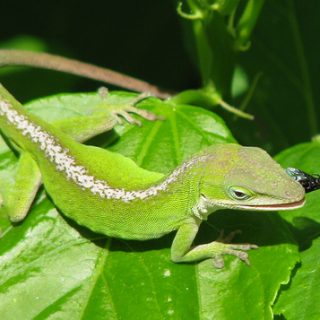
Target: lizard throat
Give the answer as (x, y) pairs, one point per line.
(64, 162)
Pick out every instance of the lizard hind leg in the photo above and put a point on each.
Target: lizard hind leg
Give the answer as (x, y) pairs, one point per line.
(27, 182)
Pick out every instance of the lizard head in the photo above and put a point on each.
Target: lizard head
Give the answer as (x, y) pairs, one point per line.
(247, 178)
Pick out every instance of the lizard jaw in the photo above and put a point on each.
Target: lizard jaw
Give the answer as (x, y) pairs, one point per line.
(264, 207)
(274, 207)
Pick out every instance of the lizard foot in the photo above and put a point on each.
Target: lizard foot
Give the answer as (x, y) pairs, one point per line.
(122, 110)
(223, 246)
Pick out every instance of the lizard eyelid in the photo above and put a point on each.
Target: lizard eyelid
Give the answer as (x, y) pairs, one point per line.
(239, 193)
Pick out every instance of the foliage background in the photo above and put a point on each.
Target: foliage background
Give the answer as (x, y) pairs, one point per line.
(147, 40)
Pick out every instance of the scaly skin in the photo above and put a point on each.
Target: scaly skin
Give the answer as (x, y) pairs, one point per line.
(110, 194)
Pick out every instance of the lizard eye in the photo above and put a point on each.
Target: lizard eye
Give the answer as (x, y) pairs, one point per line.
(239, 193)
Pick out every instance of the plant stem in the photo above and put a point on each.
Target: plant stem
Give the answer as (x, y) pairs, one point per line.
(58, 63)
(305, 74)
(247, 23)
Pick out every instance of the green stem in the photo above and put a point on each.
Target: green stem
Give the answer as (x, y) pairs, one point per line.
(207, 98)
(203, 50)
(247, 23)
(250, 92)
(189, 16)
(236, 111)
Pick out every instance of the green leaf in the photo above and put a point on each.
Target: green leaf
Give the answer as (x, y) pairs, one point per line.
(46, 268)
(300, 298)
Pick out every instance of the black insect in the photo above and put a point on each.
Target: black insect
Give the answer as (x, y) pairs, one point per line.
(309, 182)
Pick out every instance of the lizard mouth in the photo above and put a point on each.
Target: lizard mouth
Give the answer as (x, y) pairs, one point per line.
(275, 207)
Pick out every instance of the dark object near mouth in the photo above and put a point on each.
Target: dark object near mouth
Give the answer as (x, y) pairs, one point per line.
(309, 182)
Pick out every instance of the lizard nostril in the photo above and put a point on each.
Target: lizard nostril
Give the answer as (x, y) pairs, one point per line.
(287, 193)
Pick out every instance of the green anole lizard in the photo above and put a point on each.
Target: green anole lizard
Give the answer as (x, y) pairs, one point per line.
(109, 194)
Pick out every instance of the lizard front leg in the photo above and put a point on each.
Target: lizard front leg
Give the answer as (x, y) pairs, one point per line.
(104, 116)
(181, 250)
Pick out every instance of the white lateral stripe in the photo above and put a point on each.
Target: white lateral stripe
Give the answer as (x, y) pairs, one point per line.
(66, 163)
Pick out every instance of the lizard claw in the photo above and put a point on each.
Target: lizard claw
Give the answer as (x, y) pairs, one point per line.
(129, 118)
(218, 262)
(243, 256)
(143, 113)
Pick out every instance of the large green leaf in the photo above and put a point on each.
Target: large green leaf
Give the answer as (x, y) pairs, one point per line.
(299, 300)
(53, 269)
